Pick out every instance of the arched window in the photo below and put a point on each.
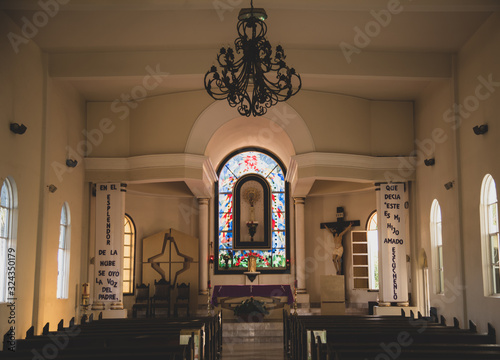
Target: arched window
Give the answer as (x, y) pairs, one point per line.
(372, 237)
(128, 256)
(7, 240)
(437, 246)
(489, 235)
(251, 213)
(63, 253)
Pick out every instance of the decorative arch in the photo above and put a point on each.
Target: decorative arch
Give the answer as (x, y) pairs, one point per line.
(219, 113)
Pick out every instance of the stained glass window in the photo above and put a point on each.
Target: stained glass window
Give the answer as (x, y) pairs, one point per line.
(128, 255)
(267, 167)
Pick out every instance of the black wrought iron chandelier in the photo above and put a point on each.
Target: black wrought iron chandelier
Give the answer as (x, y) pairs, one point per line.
(256, 81)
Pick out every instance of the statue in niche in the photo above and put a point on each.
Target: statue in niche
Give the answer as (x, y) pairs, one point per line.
(251, 195)
(338, 249)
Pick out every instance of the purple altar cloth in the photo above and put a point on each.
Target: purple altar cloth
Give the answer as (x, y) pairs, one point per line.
(251, 290)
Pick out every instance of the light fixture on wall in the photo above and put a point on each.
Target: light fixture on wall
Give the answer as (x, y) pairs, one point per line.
(268, 79)
(449, 185)
(429, 162)
(71, 163)
(52, 188)
(480, 129)
(18, 129)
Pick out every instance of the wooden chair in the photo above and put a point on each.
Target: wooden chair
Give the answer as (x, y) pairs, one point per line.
(161, 297)
(141, 299)
(182, 300)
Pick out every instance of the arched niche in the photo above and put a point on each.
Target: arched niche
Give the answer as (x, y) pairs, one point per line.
(220, 129)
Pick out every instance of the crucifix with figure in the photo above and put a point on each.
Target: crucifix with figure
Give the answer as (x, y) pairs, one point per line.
(338, 229)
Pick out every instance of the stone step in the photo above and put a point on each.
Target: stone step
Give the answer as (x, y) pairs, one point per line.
(264, 332)
(252, 339)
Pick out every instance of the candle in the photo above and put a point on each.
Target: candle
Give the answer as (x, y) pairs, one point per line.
(209, 284)
(295, 283)
(85, 289)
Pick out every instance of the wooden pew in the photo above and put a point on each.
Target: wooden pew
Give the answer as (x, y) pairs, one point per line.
(360, 337)
(124, 339)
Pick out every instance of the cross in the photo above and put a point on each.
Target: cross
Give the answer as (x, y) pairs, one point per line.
(338, 229)
(340, 224)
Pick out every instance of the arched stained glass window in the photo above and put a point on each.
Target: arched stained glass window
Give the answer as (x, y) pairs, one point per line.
(490, 236)
(128, 255)
(252, 193)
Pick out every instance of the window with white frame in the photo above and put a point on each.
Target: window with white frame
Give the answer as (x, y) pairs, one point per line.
(7, 245)
(489, 234)
(63, 253)
(437, 245)
(128, 255)
(372, 237)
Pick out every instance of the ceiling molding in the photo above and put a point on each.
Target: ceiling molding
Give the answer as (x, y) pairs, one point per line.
(324, 5)
(373, 64)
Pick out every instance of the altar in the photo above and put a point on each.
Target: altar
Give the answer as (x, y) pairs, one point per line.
(242, 291)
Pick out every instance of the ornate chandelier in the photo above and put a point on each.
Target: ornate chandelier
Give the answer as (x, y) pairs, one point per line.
(256, 81)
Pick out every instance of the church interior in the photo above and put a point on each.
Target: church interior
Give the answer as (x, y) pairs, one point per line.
(370, 190)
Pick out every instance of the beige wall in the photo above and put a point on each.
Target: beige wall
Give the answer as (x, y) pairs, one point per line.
(479, 59)
(65, 123)
(337, 123)
(55, 116)
(152, 214)
(436, 139)
(319, 242)
(22, 89)
(465, 158)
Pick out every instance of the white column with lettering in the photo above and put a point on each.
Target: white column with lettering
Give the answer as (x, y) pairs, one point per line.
(110, 212)
(392, 210)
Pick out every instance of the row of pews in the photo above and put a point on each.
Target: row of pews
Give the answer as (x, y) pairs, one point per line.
(123, 339)
(346, 337)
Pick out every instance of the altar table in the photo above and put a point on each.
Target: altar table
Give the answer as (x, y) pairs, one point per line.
(251, 290)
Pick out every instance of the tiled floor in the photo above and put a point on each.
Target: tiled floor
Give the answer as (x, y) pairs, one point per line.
(253, 351)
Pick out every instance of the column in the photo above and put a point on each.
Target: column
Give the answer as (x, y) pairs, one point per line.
(300, 245)
(110, 210)
(203, 238)
(392, 210)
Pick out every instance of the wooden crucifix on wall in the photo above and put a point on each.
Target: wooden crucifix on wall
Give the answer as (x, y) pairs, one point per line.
(338, 229)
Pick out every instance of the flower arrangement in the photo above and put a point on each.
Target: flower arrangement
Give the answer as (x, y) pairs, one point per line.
(251, 310)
